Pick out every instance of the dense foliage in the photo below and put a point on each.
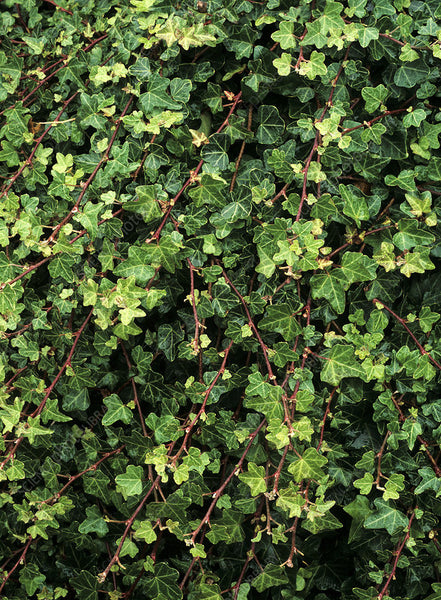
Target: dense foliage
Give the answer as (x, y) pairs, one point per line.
(220, 341)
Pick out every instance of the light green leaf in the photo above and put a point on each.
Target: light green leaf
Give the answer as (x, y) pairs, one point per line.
(116, 411)
(308, 466)
(130, 482)
(374, 97)
(339, 363)
(254, 478)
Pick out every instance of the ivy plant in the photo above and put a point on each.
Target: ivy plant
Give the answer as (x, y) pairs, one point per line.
(220, 333)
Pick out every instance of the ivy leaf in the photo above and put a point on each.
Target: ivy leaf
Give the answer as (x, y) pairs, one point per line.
(254, 478)
(272, 575)
(358, 509)
(374, 97)
(358, 267)
(130, 482)
(86, 586)
(215, 153)
(308, 466)
(331, 287)
(281, 319)
(271, 126)
(285, 35)
(386, 517)
(136, 264)
(156, 95)
(94, 523)
(147, 204)
(164, 583)
(339, 363)
(116, 411)
(355, 205)
(410, 74)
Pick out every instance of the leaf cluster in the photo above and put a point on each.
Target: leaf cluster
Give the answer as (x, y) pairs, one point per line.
(220, 333)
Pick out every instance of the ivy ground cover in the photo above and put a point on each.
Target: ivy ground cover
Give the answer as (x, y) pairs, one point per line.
(220, 300)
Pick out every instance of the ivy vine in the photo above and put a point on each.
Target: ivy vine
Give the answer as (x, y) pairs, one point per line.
(220, 337)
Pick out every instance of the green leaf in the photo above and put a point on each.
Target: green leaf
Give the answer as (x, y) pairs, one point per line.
(358, 267)
(271, 576)
(410, 235)
(281, 318)
(374, 97)
(355, 205)
(386, 517)
(136, 265)
(180, 89)
(414, 118)
(410, 74)
(147, 203)
(308, 466)
(330, 286)
(358, 509)
(156, 95)
(130, 482)
(168, 339)
(271, 126)
(254, 478)
(215, 153)
(285, 35)
(164, 583)
(116, 411)
(339, 363)
(86, 586)
(364, 484)
(94, 523)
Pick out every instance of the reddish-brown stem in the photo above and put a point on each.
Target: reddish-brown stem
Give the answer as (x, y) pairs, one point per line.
(279, 470)
(135, 392)
(48, 258)
(421, 440)
(39, 140)
(197, 324)
(16, 374)
(46, 79)
(337, 250)
(43, 70)
(95, 42)
(374, 120)
(250, 322)
(397, 553)
(104, 158)
(115, 558)
(73, 478)
(49, 390)
(144, 157)
(293, 550)
(317, 137)
(379, 459)
(325, 416)
(242, 149)
(218, 493)
(250, 553)
(173, 201)
(424, 189)
(19, 561)
(69, 12)
(190, 426)
(193, 175)
(403, 323)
